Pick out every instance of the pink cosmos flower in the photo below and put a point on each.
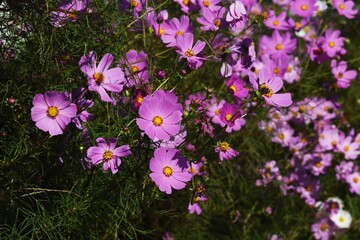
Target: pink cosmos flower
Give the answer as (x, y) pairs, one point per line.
(191, 53)
(135, 68)
(345, 8)
(277, 22)
(303, 8)
(353, 179)
(268, 88)
(69, 12)
(349, 148)
(230, 116)
(213, 111)
(210, 20)
(322, 229)
(187, 6)
(169, 170)
(278, 45)
(174, 28)
(77, 97)
(194, 207)
(100, 77)
(225, 151)
(236, 11)
(108, 154)
(52, 111)
(160, 115)
(332, 43)
(209, 4)
(342, 76)
(236, 87)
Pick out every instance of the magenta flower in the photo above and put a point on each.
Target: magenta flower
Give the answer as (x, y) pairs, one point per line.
(345, 8)
(236, 87)
(77, 96)
(353, 180)
(278, 45)
(52, 111)
(303, 8)
(135, 68)
(194, 207)
(209, 4)
(277, 22)
(169, 170)
(210, 20)
(236, 12)
(174, 28)
(108, 154)
(342, 76)
(332, 43)
(69, 12)
(268, 88)
(230, 116)
(160, 115)
(187, 6)
(187, 50)
(225, 151)
(100, 77)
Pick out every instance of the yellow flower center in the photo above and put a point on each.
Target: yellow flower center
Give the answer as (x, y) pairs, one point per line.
(206, 3)
(297, 25)
(52, 111)
(179, 33)
(167, 171)
(157, 121)
(98, 77)
(323, 227)
(282, 136)
(224, 146)
(340, 75)
(355, 180)
(107, 155)
(139, 100)
(265, 90)
(302, 109)
(134, 3)
(318, 164)
(217, 22)
(276, 70)
(289, 69)
(278, 47)
(189, 53)
(72, 16)
(217, 112)
(233, 88)
(331, 44)
(276, 23)
(341, 219)
(333, 143)
(304, 7)
(346, 148)
(186, 2)
(161, 31)
(342, 6)
(228, 117)
(134, 69)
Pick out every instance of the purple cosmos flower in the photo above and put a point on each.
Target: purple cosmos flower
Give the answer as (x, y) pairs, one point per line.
(209, 4)
(108, 154)
(135, 5)
(187, 6)
(225, 151)
(169, 170)
(342, 76)
(303, 8)
(69, 12)
(194, 206)
(267, 88)
(349, 148)
(269, 172)
(135, 68)
(345, 8)
(322, 229)
(332, 43)
(213, 111)
(230, 116)
(353, 179)
(160, 115)
(277, 22)
(52, 111)
(210, 20)
(236, 16)
(236, 86)
(191, 53)
(100, 77)
(174, 28)
(278, 45)
(77, 97)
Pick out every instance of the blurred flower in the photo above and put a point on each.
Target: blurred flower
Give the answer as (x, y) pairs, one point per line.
(342, 219)
(68, 12)
(331, 43)
(169, 170)
(194, 205)
(236, 87)
(77, 97)
(342, 76)
(303, 8)
(108, 154)
(345, 8)
(135, 68)
(52, 111)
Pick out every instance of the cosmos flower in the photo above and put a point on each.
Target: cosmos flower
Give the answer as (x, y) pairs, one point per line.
(331, 43)
(135, 68)
(69, 12)
(268, 88)
(52, 112)
(342, 76)
(303, 8)
(191, 53)
(77, 96)
(174, 28)
(169, 170)
(160, 115)
(100, 77)
(108, 154)
(345, 8)
(225, 151)
(236, 87)
(342, 219)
